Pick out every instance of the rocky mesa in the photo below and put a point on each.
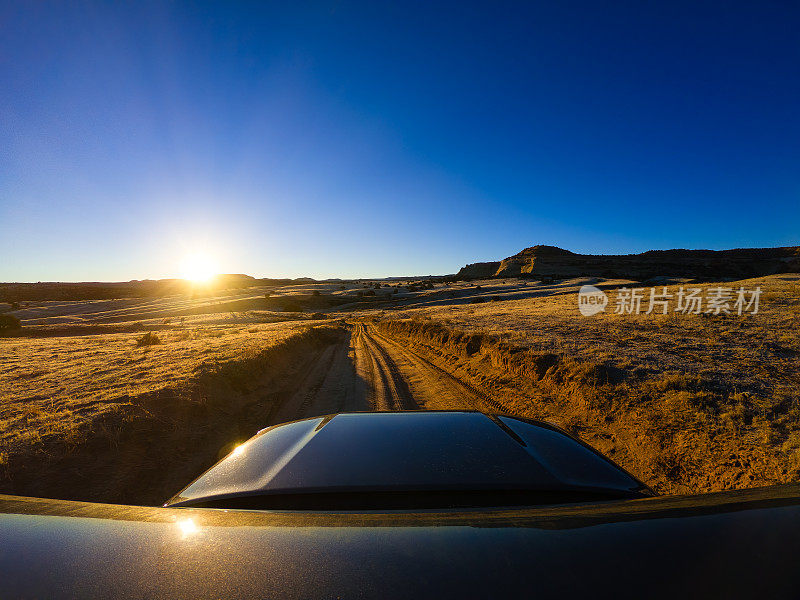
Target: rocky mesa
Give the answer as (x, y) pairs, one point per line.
(553, 262)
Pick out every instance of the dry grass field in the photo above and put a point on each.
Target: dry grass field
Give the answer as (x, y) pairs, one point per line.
(126, 400)
(55, 385)
(84, 381)
(686, 402)
(98, 416)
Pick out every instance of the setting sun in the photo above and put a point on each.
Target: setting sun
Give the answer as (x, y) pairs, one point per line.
(198, 268)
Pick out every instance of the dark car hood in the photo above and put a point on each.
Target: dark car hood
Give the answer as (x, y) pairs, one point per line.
(463, 453)
(740, 544)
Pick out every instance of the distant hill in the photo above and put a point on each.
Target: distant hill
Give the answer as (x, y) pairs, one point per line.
(553, 262)
(69, 291)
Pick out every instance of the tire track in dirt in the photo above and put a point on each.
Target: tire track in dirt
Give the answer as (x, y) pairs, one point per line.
(440, 388)
(329, 386)
(367, 370)
(389, 385)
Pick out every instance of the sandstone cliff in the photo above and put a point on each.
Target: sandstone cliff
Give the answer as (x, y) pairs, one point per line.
(549, 261)
(481, 270)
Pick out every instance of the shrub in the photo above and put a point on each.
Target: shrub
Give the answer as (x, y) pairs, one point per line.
(317, 315)
(148, 339)
(9, 322)
(315, 293)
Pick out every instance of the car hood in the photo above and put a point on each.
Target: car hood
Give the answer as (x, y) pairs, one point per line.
(741, 544)
(463, 453)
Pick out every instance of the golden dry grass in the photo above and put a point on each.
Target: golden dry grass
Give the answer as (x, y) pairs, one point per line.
(104, 418)
(686, 402)
(59, 385)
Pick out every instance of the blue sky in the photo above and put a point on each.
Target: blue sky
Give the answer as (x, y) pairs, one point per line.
(366, 139)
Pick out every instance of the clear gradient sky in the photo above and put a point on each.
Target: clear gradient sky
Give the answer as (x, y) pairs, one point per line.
(341, 139)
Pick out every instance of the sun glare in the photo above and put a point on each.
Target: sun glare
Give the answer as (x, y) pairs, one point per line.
(198, 268)
(187, 528)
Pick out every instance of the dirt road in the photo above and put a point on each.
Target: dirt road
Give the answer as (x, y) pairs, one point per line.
(369, 371)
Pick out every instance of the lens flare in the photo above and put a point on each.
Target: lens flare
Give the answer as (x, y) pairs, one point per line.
(238, 450)
(187, 527)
